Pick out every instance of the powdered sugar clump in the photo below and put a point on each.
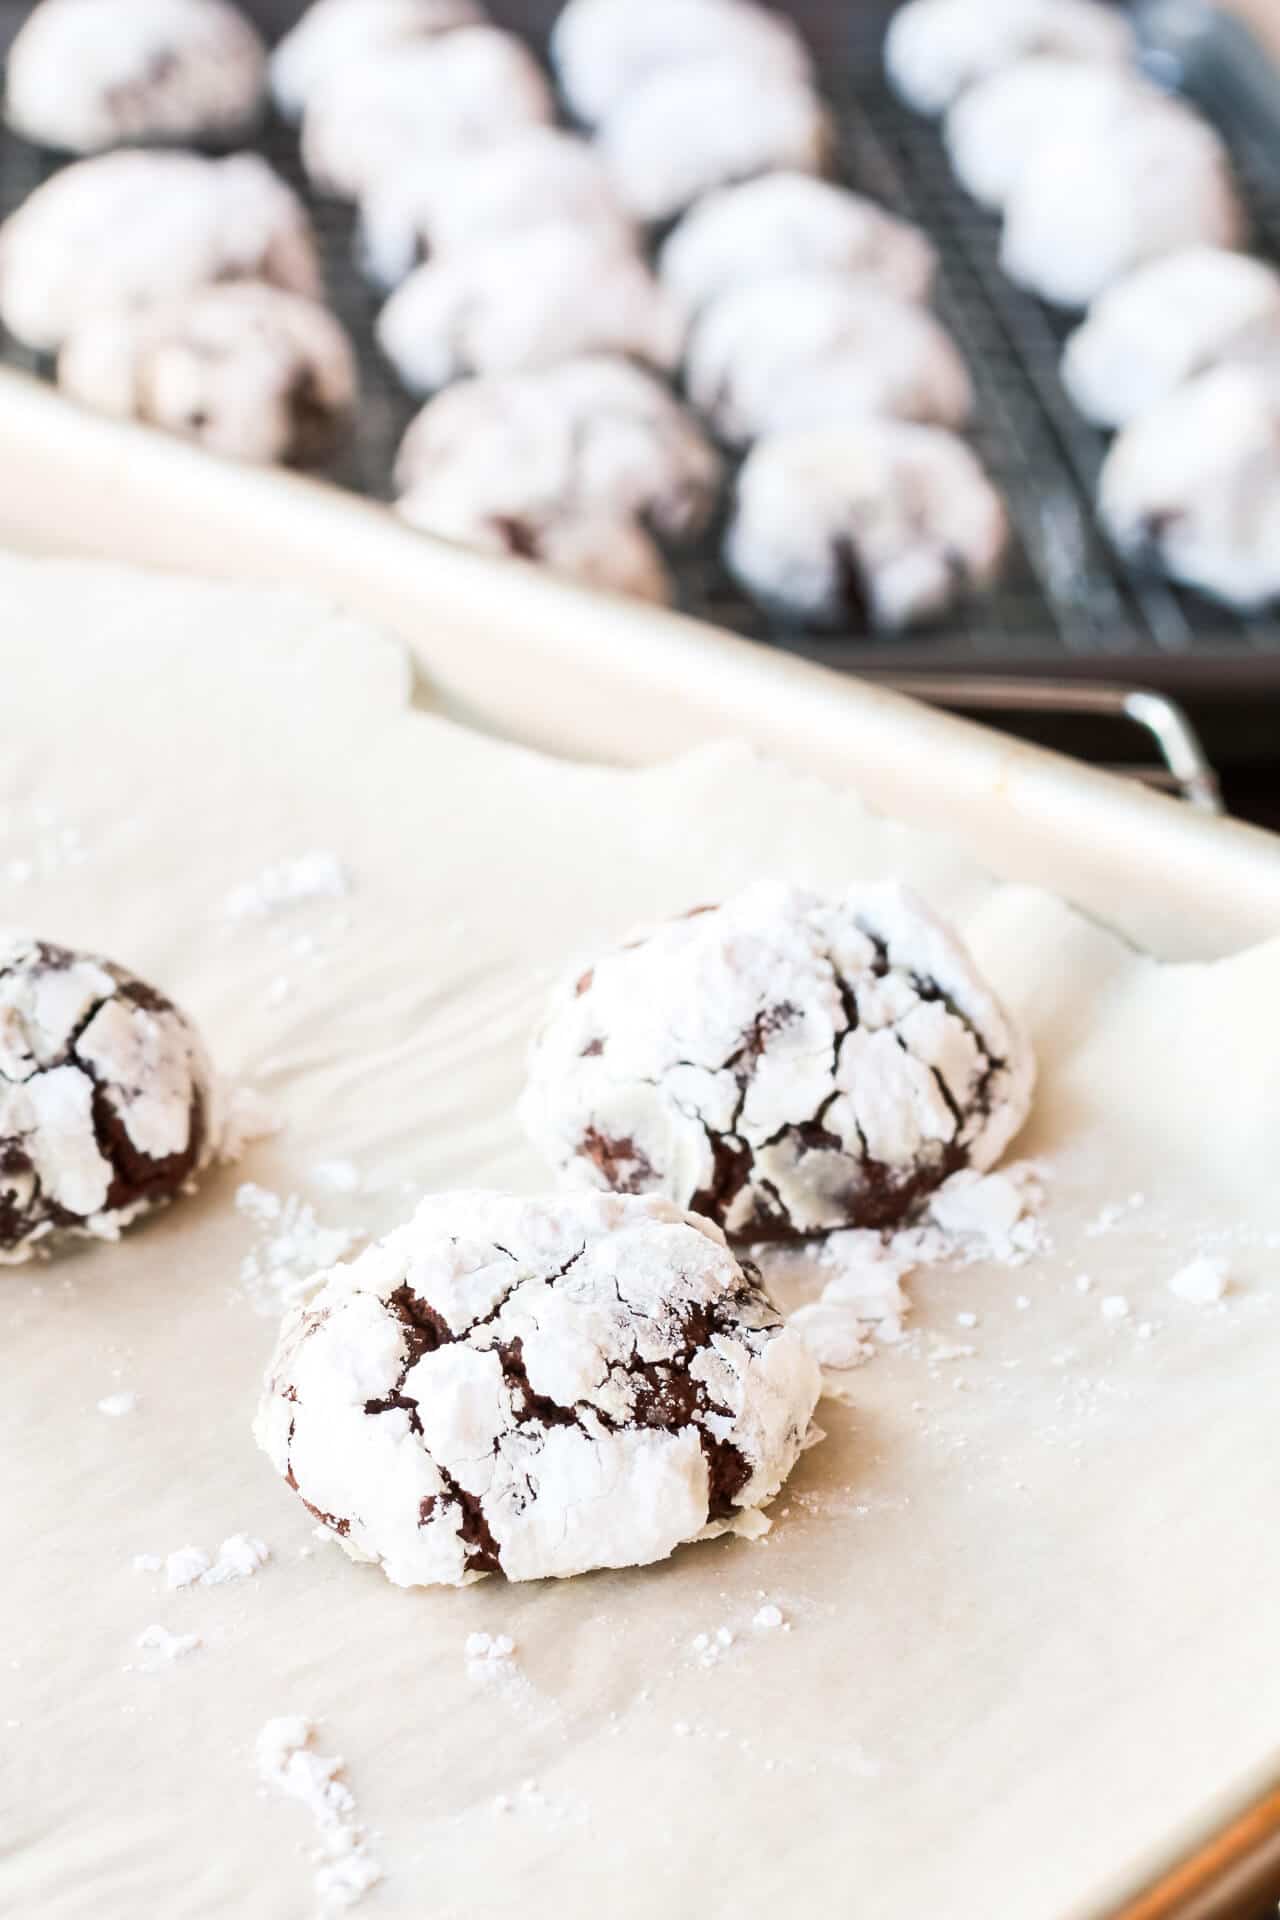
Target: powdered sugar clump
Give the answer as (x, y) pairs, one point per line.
(165, 1646)
(239, 1557)
(288, 883)
(116, 1404)
(294, 1247)
(288, 1764)
(1202, 1282)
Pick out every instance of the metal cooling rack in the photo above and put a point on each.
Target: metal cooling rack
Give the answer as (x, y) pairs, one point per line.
(1066, 609)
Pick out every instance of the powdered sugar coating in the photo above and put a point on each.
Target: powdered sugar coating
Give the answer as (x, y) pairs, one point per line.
(1152, 178)
(106, 1097)
(595, 434)
(1172, 318)
(333, 35)
(1193, 485)
(127, 229)
(604, 49)
(83, 75)
(786, 1064)
(788, 223)
(877, 524)
(995, 126)
(807, 348)
(244, 369)
(378, 114)
(692, 128)
(598, 550)
(436, 207)
(536, 1388)
(527, 300)
(936, 48)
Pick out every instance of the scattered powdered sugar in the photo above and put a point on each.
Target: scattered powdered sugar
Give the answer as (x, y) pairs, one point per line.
(1110, 1216)
(708, 1649)
(1203, 1281)
(165, 1646)
(288, 883)
(293, 1249)
(287, 1763)
(247, 1117)
(239, 1557)
(972, 1217)
(116, 1404)
(769, 1617)
(1115, 1307)
(184, 1566)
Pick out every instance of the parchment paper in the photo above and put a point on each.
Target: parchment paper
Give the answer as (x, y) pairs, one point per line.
(1031, 1592)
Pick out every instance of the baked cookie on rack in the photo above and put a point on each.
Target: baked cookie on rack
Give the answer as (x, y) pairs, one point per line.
(788, 223)
(381, 113)
(534, 1388)
(706, 124)
(333, 35)
(435, 207)
(1152, 178)
(82, 75)
(1175, 317)
(527, 300)
(106, 1098)
(126, 229)
(1192, 486)
(592, 435)
(936, 48)
(597, 549)
(875, 525)
(244, 369)
(785, 1063)
(995, 126)
(602, 50)
(801, 348)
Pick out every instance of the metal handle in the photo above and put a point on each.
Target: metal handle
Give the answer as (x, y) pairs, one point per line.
(1184, 767)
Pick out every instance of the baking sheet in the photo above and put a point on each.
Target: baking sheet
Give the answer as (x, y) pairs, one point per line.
(513, 651)
(1031, 1590)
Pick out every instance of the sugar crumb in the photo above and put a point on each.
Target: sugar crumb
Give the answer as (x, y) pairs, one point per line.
(1203, 1282)
(1114, 1306)
(116, 1404)
(288, 883)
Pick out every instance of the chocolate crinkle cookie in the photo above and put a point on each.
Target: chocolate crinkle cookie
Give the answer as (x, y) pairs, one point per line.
(877, 524)
(127, 229)
(82, 74)
(242, 368)
(335, 35)
(786, 1064)
(106, 1097)
(535, 1388)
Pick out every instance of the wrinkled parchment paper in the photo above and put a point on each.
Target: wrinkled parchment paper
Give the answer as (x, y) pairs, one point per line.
(1031, 1590)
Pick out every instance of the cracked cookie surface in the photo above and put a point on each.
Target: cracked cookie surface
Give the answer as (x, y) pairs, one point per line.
(535, 1388)
(106, 1097)
(786, 1064)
